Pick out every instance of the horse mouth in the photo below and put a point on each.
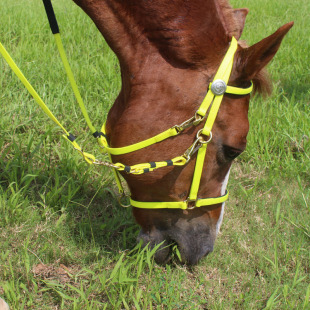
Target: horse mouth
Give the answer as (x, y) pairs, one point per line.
(170, 250)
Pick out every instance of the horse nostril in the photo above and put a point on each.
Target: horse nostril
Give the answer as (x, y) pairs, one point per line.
(154, 239)
(186, 252)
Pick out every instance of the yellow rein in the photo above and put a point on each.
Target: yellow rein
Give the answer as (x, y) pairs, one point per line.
(214, 96)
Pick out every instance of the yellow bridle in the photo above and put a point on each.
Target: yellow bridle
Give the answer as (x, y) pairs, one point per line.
(212, 100)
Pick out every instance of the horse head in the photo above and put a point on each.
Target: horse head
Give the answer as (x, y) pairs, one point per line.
(169, 52)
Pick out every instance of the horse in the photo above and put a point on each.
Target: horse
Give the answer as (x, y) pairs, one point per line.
(169, 52)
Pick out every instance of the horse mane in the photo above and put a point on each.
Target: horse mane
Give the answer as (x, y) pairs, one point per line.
(262, 83)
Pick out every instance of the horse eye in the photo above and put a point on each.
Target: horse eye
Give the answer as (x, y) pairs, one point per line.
(230, 152)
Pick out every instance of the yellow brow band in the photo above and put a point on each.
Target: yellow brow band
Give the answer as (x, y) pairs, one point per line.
(239, 91)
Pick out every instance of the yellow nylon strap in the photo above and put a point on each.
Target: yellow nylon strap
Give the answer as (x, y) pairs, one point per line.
(225, 67)
(212, 115)
(159, 205)
(205, 103)
(178, 204)
(171, 132)
(72, 81)
(147, 167)
(31, 90)
(211, 201)
(239, 91)
(197, 172)
(117, 178)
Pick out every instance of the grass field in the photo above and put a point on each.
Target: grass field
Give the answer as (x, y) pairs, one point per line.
(65, 243)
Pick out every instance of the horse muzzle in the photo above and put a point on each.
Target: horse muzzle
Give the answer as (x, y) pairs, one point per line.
(193, 242)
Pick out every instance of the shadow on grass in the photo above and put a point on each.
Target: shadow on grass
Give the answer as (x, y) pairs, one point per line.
(81, 198)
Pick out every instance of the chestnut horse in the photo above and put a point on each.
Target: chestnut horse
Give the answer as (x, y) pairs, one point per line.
(169, 52)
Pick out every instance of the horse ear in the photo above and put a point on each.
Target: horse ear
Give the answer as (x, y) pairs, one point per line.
(240, 15)
(253, 59)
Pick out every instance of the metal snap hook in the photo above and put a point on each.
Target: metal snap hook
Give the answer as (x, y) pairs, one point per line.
(192, 150)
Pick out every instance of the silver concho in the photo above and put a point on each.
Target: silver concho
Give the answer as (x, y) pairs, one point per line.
(218, 87)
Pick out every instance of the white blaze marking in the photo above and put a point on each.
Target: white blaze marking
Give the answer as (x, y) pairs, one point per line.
(223, 190)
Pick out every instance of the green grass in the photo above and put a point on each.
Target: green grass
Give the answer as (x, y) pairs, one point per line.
(66, 243)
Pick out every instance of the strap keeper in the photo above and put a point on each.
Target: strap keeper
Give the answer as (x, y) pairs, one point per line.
(127, 169)
(152, 164)
(169, 162)
(71, 137)
(98, 134)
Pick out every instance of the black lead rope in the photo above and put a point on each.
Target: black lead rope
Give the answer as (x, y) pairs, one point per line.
(51, 16)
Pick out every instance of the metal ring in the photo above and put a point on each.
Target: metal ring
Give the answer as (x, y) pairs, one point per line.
(199, 137)
(120, 202)
(193, 206)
